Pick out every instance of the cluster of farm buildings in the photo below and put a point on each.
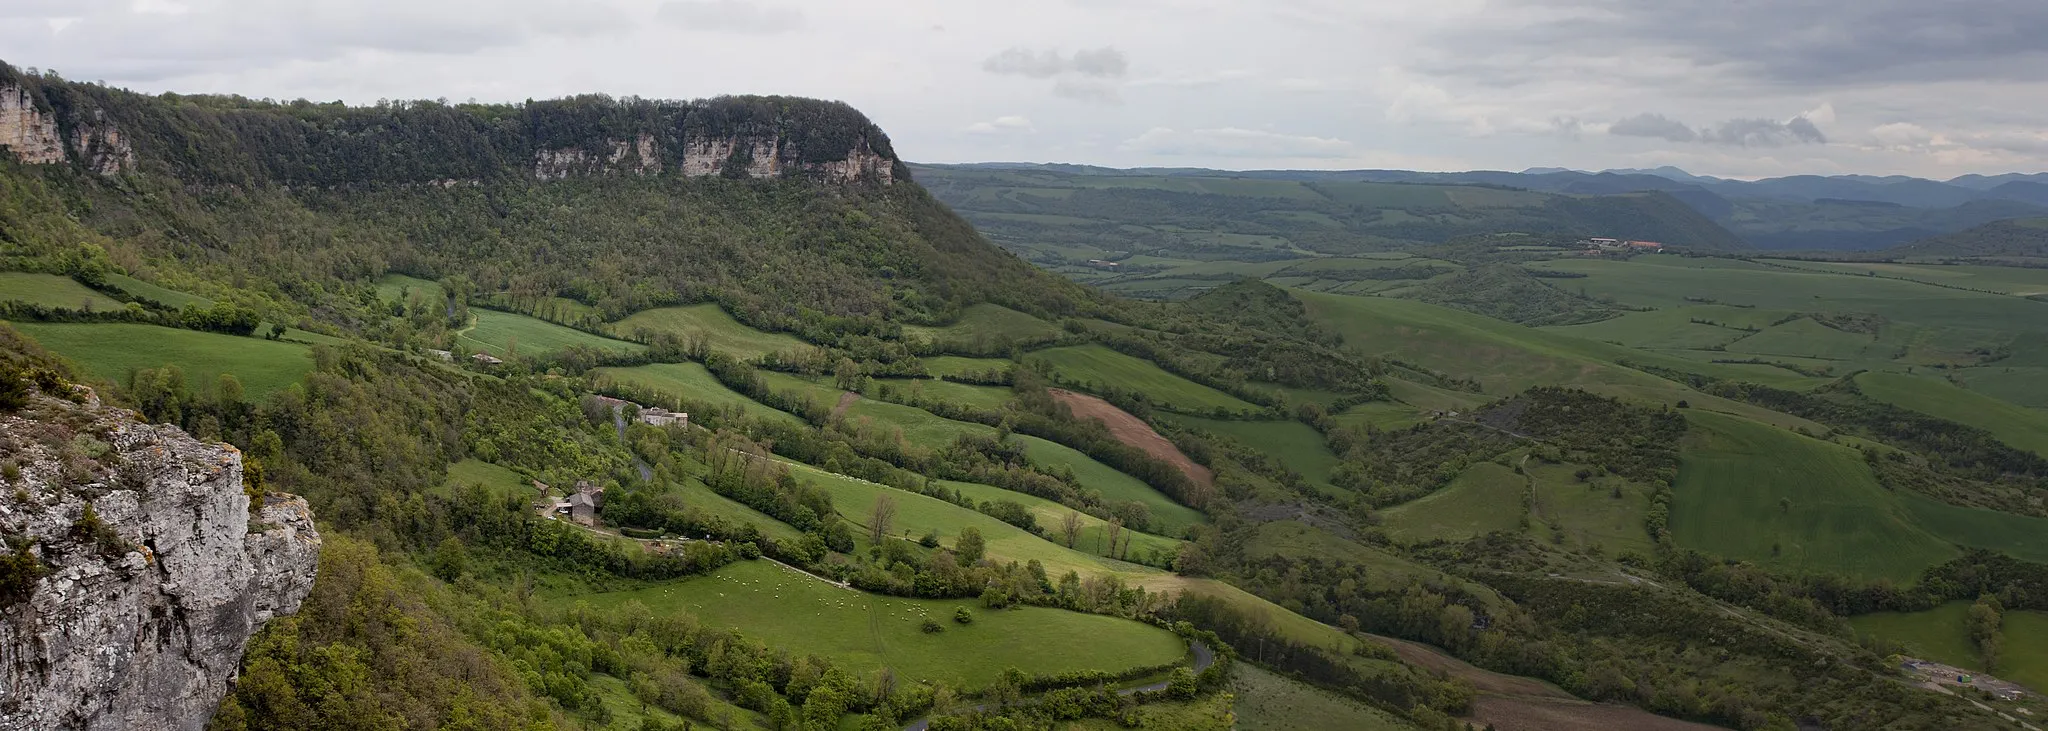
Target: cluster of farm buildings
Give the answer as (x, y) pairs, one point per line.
(1596, 246)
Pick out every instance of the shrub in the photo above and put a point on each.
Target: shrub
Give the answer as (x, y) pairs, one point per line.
(931, 626)
(963, 616)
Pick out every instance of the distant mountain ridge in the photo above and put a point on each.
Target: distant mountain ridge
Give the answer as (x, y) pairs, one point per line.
(1795, 212)
(2025, 238)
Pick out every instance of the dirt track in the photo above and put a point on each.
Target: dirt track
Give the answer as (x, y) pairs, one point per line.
(1132, 431)
(845, 401)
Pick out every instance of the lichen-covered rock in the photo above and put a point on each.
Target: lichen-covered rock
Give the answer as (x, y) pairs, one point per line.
(145, 603)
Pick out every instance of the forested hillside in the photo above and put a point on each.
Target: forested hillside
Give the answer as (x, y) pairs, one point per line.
(2025, 238)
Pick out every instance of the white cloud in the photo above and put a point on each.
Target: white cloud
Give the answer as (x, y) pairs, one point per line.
(1000, 125)
(1231, 142)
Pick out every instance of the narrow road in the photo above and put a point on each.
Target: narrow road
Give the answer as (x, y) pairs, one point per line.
(1204, 657)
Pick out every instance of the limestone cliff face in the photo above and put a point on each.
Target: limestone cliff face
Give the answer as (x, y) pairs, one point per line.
(27, 130)
(744, 156)
(138, 621)
(31, 132)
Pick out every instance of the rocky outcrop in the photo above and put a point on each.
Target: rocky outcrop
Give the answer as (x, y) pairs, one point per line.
(735, 156)
(154, 570)
(30, 132)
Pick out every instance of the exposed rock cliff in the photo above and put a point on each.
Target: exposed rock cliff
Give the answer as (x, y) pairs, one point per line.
(27, 130)
(32, 133)
(152, 572)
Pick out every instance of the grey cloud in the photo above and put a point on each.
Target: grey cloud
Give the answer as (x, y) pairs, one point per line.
(1654, 125)
(1788, 42)
(1026, 62)
(1734, 132)
(1105, 62)
(735, 16)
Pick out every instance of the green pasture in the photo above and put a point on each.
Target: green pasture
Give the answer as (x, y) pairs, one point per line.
(1098, 366)
(499, 480)
(1382, 415)
(170, 297)
(111, 351)
(1942, 635)
(987, 323)
(1676, 328)
(1094, 535)
(987, 398)
(953, 365)
(718, 330)
(863, 632)
(2016, 281)
(2022, 385)
(693, 382)
(53, 291)
(1297, 446)
(1169, 518)
(2018, 426)
(1750, 491)
(1809, 339)
(1485, 498)
(504, 335)
(399, 287)
(1589, 513)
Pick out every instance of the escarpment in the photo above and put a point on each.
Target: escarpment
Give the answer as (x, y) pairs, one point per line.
(134, 571)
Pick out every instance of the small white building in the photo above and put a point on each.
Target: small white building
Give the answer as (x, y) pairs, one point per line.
(657, 416)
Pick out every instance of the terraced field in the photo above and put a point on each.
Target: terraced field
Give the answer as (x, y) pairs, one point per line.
(53, 291)
(2018, 426)
(690, 381)
(1485, 498)
(1298, 446)
(1083, 365)
(1169, 518)
(987, 323)
(506, 335)
(718, 329)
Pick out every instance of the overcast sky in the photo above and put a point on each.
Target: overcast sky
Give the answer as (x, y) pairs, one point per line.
(1742, 88)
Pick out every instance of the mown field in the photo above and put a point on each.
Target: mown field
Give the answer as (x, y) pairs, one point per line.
(1750, 491)
(54, 291)
(987, 398)
(1098, 366)
(953, 365)
(111, 351)
(864, 632)
(718, 330)
(504, 335)
(402, 288)
(690, 381)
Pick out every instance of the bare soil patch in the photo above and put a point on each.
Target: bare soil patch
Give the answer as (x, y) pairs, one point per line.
(846, 400)
(1133, 431)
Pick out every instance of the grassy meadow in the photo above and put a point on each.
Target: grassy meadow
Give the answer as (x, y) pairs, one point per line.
(986, 324)
(53, 291)
(1093, 537)
(1099, 366)
(111, 351)
(499, 480)
(1267, 701)
(2017, 426)
(865, 632)
(138, 288)
(1485, 498)
(988, 398)
(1942, 635)
(1298, 446)
(1750, 491)
(719, 330)
(1169, 518)
(504, 334)
(690, 381)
